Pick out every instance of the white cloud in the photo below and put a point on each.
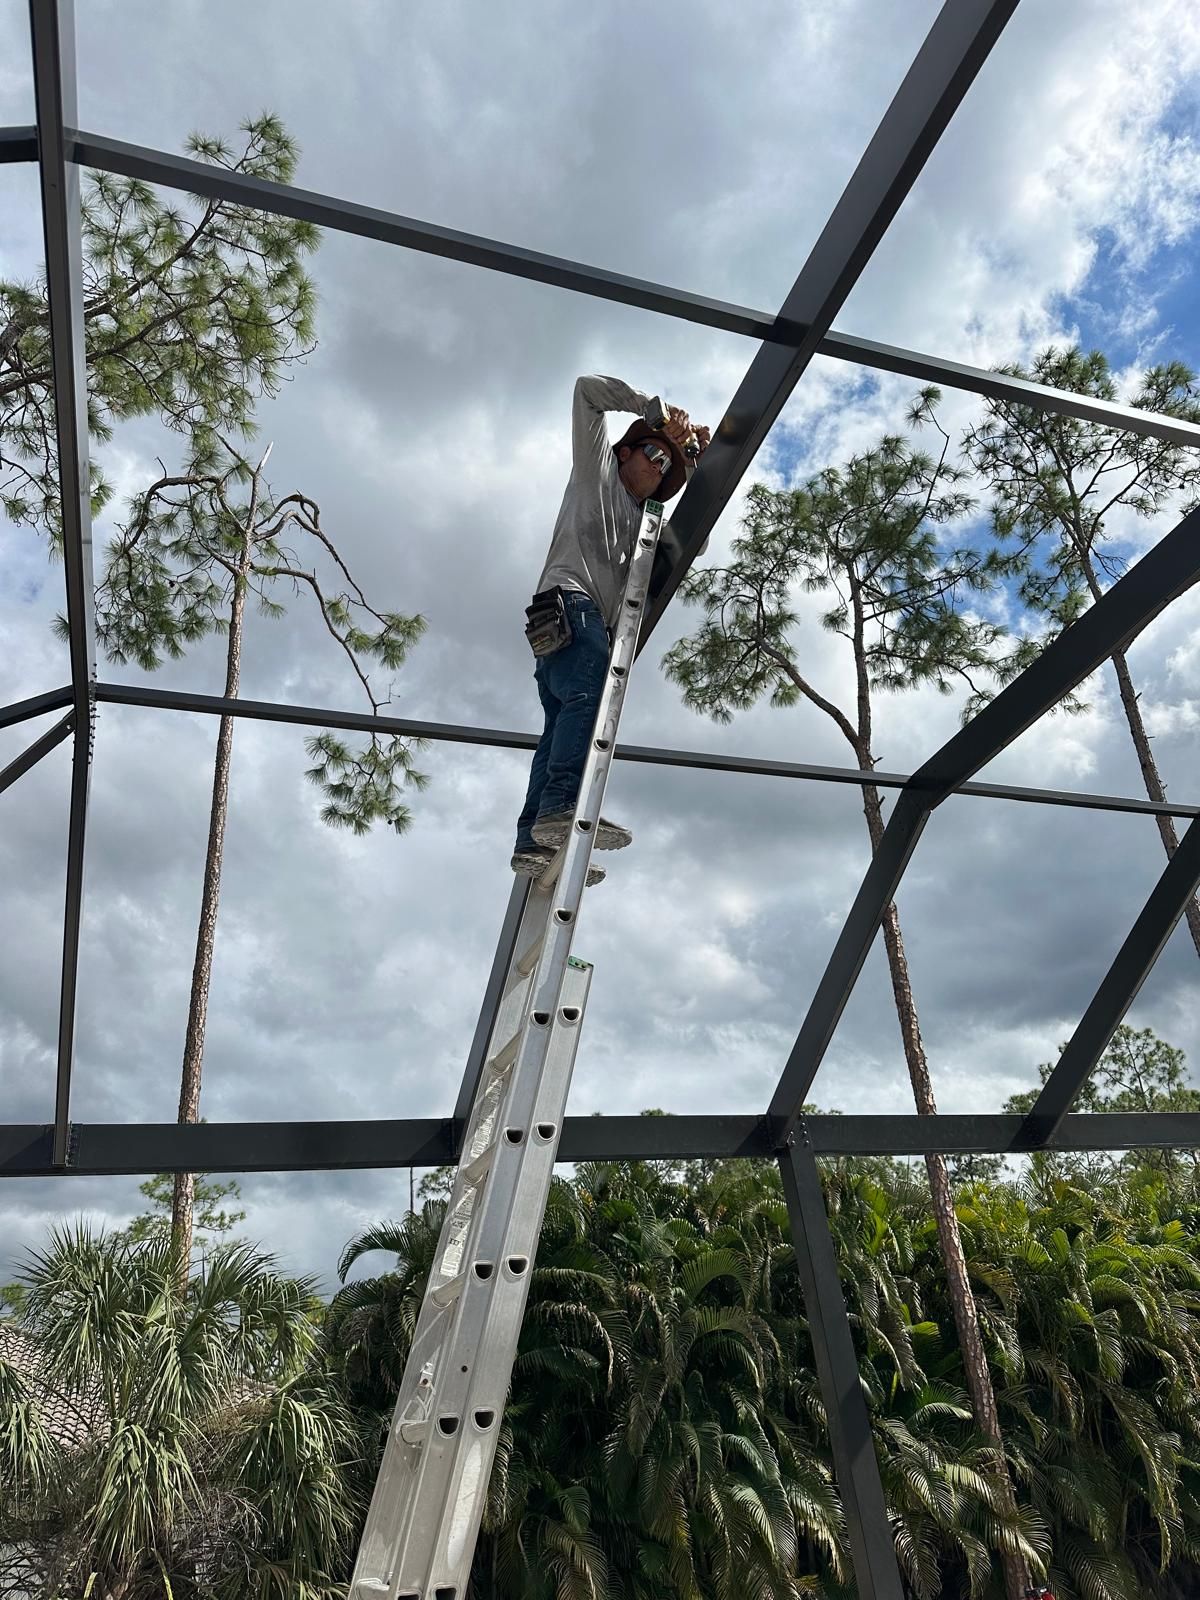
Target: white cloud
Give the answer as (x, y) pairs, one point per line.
(431, 425)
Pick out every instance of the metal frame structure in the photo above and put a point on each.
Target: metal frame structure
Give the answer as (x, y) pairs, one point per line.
(954, 51)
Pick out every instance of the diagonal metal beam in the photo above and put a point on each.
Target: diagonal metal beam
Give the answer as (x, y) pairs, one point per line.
(36, 706)
(492, 996)
(388, 227)
(945, 67)
(1165, 572)
(137, 1148)
(641, 755)
(52, 25)
(32, 754)
(855, 1464)
(1117, 992)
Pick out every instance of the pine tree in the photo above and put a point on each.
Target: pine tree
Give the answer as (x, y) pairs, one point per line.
(1056, 482)
(196, 547)
(866, 535)
(192, 311)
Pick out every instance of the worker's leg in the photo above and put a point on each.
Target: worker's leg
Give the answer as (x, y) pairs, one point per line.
(541, 761)
(574, 677)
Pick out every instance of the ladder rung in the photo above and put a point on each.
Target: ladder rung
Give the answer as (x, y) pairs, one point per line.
(527, 960)
(506, 1055)
(447, 1293)
(479, 1166)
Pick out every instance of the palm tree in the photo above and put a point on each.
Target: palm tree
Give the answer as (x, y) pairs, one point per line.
(158, 1440)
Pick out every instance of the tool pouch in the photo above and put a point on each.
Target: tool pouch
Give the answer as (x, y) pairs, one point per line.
(549, 627)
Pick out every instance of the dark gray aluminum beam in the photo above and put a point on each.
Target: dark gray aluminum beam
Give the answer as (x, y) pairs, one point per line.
(52, 31)
(196, 177)
(644, 755)
(98, 1149)
(36, 706)
(390, 227)
(1165, 572)
(855, 1464)
(32, 754)
(506, 947)
(954, 50)
(1116, 994)
(1004, 386)
(18, 144)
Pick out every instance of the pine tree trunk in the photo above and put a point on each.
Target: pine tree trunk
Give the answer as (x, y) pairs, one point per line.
(1154, 788)
(1141, 743)
(183, 1197)
(962, 1301)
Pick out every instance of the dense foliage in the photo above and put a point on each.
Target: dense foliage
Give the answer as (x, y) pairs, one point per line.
(664, 1438)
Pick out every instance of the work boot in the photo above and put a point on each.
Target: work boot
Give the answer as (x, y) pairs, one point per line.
(532, 863)
(552, 829)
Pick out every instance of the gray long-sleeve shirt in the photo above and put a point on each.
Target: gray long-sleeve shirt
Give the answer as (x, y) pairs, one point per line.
(599, 518)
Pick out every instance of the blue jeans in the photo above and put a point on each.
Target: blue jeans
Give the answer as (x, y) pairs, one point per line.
(569, 685)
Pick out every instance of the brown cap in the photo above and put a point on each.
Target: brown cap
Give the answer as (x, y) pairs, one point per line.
(676, 477)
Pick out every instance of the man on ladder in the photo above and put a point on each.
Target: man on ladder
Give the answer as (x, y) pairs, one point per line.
(579, 594)
(584, 625)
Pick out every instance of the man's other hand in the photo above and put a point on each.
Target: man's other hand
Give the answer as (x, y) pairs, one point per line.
(678, 426)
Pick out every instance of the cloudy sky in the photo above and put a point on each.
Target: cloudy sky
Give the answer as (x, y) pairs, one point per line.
(431, 424)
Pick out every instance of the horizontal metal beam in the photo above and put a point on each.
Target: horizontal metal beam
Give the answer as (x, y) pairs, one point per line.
(388, 227)
(391, 227)
(18, 144)
(37, 706)
(1165, 572)
(98, 1149)
(1129, 970)
(32, 754)
(1004, 386)
(152, 698)
(954, 50)
(971, 1134)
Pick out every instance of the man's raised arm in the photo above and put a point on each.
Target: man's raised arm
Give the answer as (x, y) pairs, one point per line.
(594, 396)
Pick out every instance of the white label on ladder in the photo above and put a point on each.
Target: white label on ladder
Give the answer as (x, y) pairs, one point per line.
(459, 1228)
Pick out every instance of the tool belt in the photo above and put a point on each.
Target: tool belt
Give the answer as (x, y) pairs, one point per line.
(549, 627)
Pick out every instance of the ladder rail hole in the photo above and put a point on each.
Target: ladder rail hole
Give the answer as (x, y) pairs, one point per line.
(484, 1270)
(448, 1426)
(517, 1265)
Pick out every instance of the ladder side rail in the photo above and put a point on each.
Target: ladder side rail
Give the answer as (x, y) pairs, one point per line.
(430, 1493)
(504, 1305)
(382, 1531)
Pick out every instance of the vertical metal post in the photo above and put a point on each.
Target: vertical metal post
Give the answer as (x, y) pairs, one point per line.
(52, 31)
(876, 1570)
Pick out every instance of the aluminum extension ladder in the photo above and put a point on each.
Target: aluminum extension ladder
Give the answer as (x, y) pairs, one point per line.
(420, 1532)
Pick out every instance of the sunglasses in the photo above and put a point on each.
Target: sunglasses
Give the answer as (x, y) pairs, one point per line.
(660, 457)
